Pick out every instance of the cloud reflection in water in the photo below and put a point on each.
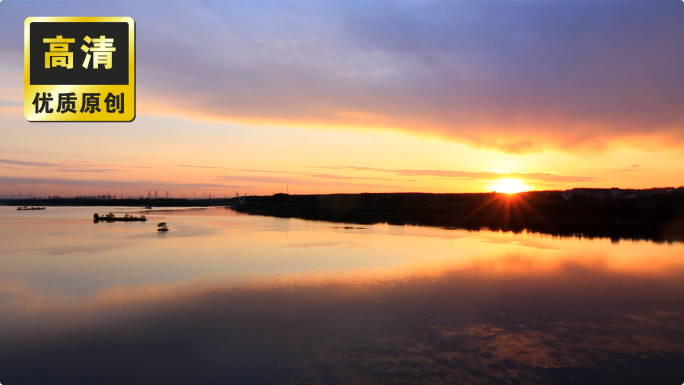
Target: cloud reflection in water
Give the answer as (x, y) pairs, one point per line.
(452, 308)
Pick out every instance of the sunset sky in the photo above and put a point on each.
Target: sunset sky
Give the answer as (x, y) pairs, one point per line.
(365, 96)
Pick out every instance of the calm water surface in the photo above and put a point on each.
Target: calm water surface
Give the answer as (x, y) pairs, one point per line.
(225, 298)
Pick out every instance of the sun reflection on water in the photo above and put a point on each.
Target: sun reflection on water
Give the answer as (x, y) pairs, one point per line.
(268, 299)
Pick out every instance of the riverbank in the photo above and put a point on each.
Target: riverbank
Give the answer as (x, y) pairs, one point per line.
(656, 217)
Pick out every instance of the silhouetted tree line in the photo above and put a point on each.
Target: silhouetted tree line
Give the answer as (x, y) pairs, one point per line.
(656, 216)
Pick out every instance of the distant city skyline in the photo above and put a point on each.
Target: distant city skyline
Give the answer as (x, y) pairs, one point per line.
(596, 192)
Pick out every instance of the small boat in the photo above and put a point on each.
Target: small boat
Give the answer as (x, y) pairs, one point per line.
(30, 208)
(113, 218)
(162, 227)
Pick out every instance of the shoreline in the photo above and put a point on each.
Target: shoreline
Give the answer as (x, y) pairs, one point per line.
(655, 217)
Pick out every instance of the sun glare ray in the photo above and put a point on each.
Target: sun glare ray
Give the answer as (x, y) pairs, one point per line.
(510, 186)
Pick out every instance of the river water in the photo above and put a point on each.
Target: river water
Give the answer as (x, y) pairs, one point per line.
(228, 298)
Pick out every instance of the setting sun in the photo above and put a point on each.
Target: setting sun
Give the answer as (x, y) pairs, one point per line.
(510, 186)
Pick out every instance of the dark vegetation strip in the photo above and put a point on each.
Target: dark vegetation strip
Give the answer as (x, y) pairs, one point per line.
(657, 216)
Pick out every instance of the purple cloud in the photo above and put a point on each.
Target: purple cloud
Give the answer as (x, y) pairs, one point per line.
(516, 76)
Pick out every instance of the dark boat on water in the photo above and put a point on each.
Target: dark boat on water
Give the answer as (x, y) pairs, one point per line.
(113, 218)
(25, 208)
(162, 227)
